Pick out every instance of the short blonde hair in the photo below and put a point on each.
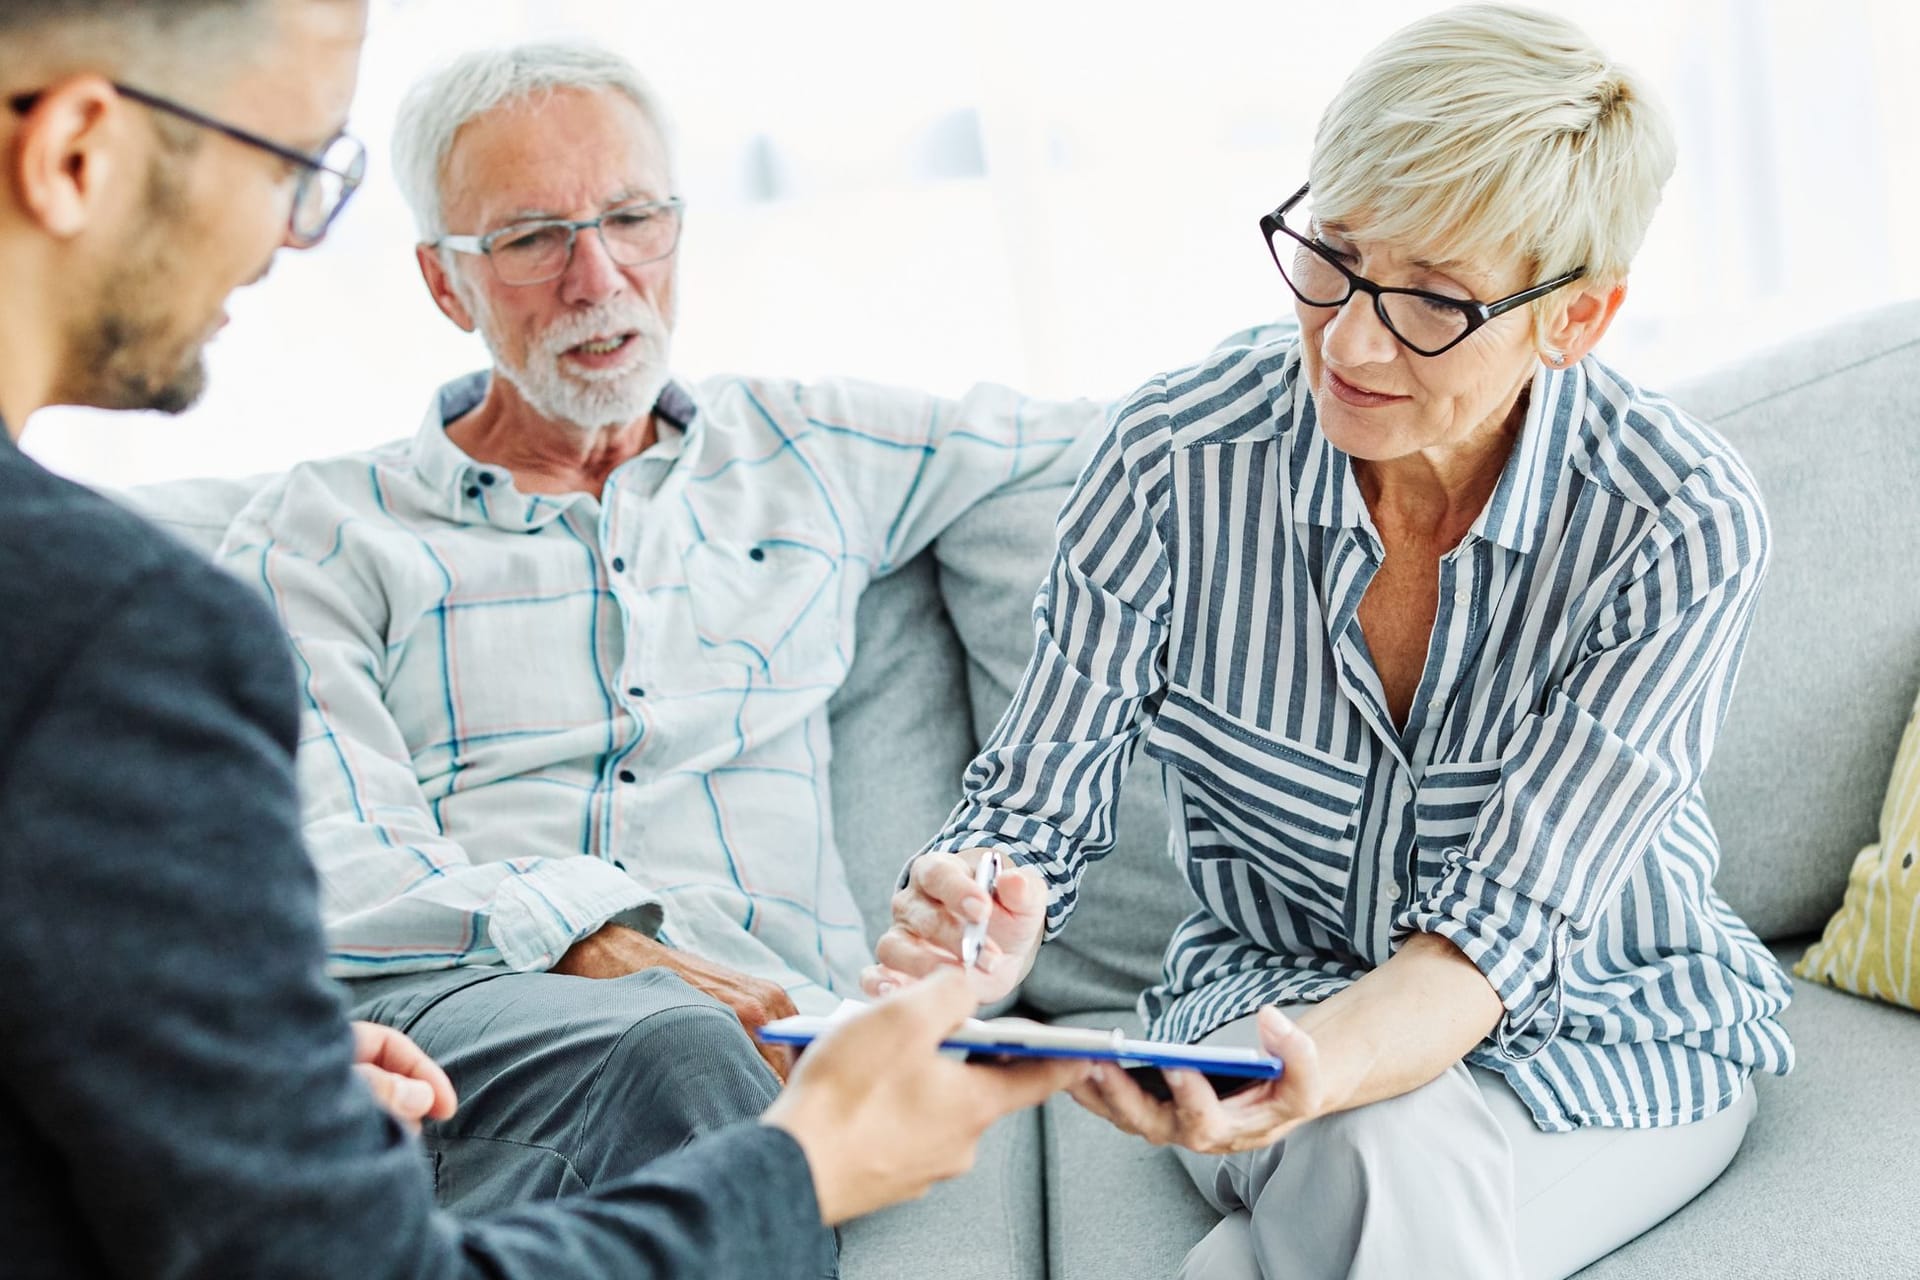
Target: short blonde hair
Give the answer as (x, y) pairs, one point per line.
(1491, 132)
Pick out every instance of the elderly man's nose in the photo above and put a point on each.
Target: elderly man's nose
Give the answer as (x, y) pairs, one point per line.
(593, 274)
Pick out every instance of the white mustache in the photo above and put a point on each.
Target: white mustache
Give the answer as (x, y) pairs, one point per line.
(570, 331)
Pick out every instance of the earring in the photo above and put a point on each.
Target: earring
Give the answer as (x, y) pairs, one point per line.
(1556, 358)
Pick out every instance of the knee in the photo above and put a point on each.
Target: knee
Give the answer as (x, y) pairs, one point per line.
(1416, 1138)
(689, 1056)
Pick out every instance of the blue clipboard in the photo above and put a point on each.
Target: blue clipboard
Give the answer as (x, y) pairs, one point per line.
(1016, 1038)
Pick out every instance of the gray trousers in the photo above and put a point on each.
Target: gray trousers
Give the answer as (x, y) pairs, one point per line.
(569, 1083)
(1452, 1179)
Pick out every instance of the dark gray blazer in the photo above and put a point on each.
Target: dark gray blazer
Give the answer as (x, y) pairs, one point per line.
(175, 1091)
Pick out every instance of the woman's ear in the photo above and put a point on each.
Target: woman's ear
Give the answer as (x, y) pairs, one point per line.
(1580, 323)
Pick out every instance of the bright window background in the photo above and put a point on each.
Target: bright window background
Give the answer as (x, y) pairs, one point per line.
(1057, 195)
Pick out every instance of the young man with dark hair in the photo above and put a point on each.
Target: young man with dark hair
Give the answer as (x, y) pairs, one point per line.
(177, 1086)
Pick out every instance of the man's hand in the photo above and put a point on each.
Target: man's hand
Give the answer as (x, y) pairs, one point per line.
(614, 951)
(882, 1115)
(404, 1080)
(1197, 1119)
(934, 909)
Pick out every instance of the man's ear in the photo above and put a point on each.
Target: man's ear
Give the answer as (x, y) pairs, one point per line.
(440, 284)
(1584, 319)
(68, 151)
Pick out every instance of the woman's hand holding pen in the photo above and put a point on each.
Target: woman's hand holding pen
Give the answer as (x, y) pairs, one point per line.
(930, 916)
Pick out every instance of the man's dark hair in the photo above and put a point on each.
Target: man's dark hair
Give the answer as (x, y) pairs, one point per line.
(27, 15)
(161, 44)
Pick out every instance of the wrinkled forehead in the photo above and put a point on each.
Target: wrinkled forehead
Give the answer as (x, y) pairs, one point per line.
(563, 153)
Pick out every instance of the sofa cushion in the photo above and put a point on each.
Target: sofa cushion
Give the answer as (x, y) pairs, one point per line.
(1827, 1181)
(1822, 1187)
(1871, 947)
(986, 1224)
(901, 734)
(1827, 424)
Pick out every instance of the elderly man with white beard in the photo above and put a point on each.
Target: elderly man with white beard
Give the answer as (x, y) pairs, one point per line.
(567, 651)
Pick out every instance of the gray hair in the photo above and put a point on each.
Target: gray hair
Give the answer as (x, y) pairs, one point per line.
(438, 107)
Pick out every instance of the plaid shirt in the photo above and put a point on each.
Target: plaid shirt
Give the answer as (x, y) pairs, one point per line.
(527, 714)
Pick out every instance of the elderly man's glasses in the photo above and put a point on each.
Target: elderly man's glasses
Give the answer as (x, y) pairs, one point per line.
(537, 251)
(1425, 323)
(327, 181)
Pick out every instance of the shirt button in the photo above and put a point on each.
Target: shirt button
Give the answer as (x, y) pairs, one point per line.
(473, 491)
(486, 477)
(619, 565)
(1393, 891)
(627, 775)
(758, 553)
(636, 692)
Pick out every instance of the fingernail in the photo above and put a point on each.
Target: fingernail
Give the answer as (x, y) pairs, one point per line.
(415, 1095)
(887, 986)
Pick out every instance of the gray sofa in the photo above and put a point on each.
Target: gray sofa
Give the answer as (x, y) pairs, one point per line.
(1828, 1183)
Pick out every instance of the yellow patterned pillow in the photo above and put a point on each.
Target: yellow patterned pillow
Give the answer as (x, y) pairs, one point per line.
(1872, 944)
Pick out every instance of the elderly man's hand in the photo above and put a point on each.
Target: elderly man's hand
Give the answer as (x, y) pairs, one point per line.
(1199, 1120)
(614, 951)
(403, 1079)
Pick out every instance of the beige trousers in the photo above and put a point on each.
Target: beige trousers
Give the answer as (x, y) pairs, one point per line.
(1451, 1180)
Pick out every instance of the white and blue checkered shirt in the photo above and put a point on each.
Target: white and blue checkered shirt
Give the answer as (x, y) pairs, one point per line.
(1541, 806)
(526, 714)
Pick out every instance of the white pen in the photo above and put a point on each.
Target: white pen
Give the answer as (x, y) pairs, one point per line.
(986, 873)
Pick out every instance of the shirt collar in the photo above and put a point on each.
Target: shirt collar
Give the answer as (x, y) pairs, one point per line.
(1327, 494)
(462, 482)
(1516, 514)
(444, 465)
(1325, 491)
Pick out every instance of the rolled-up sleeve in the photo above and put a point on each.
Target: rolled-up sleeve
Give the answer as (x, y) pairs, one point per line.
(1616, 747)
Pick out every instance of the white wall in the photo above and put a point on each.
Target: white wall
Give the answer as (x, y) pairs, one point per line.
(1053, 193)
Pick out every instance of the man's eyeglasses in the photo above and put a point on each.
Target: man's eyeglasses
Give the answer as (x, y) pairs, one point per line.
(327, 181)
(1425, 323)
(538, 251)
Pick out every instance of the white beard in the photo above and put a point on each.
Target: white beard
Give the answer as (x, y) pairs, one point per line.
(589, 400)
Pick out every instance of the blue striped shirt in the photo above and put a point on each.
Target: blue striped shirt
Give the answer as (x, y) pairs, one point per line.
(529, 713)
(1541, 806)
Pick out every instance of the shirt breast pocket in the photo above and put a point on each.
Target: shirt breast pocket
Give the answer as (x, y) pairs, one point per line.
(771, 605)
(1289, 808)
(1446, 810)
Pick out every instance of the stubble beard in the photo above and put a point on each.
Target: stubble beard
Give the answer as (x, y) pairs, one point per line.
(129, 352)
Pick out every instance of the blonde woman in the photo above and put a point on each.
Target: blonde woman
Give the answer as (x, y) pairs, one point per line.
(1431, 618)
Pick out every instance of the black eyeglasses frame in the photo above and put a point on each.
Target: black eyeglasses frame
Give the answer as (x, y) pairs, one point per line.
(1477, 313)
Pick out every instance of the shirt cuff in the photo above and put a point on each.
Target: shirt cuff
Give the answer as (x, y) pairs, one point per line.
(1517, 943)
(546, 908)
